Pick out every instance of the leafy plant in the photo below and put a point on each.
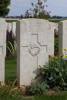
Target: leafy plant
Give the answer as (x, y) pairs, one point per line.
(11, 44)
(9, 90)
(55, 73)
(11, 48)
(36, 88)
(13, 89)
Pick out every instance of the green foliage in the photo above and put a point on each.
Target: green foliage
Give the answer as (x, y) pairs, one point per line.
(55, 73)
(56, 88)
(27, 14)
(56, 46)
(4, 10)
(16, 92)
(11, 48)
(36, 88)
(11, 44)
(9, 90)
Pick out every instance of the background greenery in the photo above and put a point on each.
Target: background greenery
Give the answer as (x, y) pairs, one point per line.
(56, 45)
(4, 10)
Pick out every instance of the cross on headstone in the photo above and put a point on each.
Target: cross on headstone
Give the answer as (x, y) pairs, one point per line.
(31, 48)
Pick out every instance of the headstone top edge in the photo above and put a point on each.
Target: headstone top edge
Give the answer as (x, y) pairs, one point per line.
(32, 19)
(63, 21)
(2, 19)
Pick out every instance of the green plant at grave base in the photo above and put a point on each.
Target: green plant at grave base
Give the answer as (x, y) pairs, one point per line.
(12, 92)
(13, 89)
(36, 88)
(9, 90)
(55, 73)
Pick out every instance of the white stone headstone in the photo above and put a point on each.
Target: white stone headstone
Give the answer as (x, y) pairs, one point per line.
(63, 38)
(9, 27)
(14, 29)
(50, 39)
(3, 27)
(32, 48)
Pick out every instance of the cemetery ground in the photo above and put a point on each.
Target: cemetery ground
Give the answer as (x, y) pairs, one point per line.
(43, 97)
(11, 77)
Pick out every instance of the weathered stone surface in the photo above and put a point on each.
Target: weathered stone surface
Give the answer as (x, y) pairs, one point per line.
(9, 27)
(50, 38)
(14, 29)
(60, 31)
(3, 27)
(63, 38)
(32, 48)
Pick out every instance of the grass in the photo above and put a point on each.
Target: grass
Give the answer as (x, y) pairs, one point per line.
(10, 70)
(43, 97)
(11, 76)
(10, 21)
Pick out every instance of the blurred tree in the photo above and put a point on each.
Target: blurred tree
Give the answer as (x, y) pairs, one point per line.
(27, 14)
(38, 10)
(4, 10)
(21, 16)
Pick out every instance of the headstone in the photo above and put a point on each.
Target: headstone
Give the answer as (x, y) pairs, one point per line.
(32, 48)
(2, 50)
(63, 38)
(50, 39)
(14, 29)
(9, 27)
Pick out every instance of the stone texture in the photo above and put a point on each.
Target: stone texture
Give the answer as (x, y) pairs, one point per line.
(33, 46)
(14, 29)
(60, 31)
(50, 39)
(3, 28)
(63, 38)
(9, 27)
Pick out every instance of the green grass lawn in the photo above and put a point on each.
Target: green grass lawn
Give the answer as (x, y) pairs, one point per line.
(43, 97)
(11, 76)
(10, 70)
